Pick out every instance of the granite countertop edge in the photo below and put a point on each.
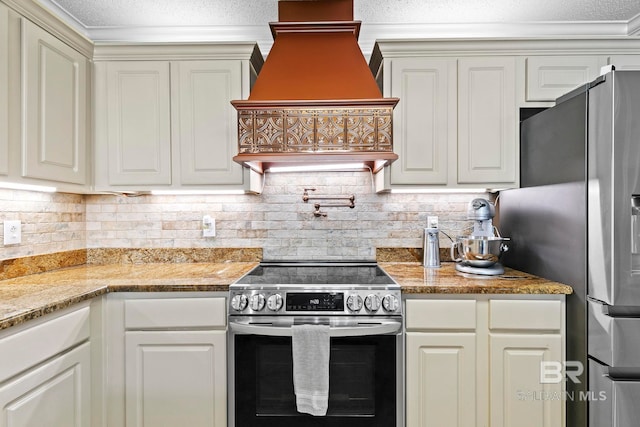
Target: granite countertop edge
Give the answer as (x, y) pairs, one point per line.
(35, 295)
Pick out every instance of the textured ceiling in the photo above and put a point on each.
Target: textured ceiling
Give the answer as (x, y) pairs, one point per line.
(118, 13)
(247, 20)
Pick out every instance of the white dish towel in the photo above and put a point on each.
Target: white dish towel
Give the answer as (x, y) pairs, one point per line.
(310, 347)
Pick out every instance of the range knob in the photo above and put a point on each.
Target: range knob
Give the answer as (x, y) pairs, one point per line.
(239, 302)
(256, 302)
(274, 302)
(372, 303)
(390, 303)
(354, 303)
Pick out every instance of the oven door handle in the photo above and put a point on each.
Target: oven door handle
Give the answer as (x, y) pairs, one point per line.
(360, 330)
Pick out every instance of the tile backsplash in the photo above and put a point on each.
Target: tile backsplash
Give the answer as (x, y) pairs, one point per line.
(51, 222)
(277, 221)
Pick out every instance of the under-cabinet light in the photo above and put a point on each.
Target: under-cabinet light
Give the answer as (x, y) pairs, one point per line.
(194, 192)
(28, 187)
(322, 167)
(438, 190)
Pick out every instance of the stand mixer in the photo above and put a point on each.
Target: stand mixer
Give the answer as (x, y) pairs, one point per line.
(480, 252)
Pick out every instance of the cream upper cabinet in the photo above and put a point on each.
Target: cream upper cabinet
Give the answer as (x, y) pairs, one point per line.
(164, 123)
(625, 62)
(549, 77)
(478, 361)
(487, 121)
(4, 90)
(138, 135)
(424, 119)
(54, 115)
(455, 124)
(205, 136)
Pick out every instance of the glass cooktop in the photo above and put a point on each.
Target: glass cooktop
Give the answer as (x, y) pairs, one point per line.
(317, 273)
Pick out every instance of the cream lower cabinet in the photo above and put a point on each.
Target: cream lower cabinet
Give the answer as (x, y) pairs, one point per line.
(167, 361)
(518, 398)
(45, 375)
(175, 378)
(478, 361)
(56, 394)
(455, 124)
(441, 385)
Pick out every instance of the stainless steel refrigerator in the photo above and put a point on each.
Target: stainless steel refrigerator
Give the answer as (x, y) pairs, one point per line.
(576, 220)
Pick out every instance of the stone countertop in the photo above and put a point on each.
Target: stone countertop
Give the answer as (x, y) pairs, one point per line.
(415, 279)
(28, 297)
(31, 296)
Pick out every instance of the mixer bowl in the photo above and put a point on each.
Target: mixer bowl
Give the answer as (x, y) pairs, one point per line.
(479, 251)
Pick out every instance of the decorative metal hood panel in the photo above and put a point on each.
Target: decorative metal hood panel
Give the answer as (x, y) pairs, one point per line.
(315, 99)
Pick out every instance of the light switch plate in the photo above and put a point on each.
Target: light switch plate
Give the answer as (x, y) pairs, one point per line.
(12, 232)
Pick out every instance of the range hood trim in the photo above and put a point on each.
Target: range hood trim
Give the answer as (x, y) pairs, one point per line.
(352, 27)
(261, 162)
(312, 103)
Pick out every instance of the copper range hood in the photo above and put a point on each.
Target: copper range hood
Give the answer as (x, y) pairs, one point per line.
(315, 100)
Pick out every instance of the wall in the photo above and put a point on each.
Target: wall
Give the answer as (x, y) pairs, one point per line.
(278, 220)
(51, 222)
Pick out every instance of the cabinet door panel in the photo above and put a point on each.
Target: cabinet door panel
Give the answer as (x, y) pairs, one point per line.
(138, 111)
(206, 133)
(175, 378)
(54, 86)
(517, 396)
(625, 62)
(487, 125)
(423, 119)
(549, 77)
(441, 386)
(4, 90)
(56, 394)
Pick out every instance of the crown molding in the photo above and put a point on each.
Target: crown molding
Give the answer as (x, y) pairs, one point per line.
(587, 45)
(633, 26)
(259, 34)
(49, 19)
(370, 33)
(121, 51)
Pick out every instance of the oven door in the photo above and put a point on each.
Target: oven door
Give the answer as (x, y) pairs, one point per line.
(365, 372)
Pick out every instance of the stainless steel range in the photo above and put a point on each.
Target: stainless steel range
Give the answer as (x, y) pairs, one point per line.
(361, 307)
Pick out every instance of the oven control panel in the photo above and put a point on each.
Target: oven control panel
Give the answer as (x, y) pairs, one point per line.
(350, 302)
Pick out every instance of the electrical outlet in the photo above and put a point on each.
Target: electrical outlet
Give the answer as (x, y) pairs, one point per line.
(12, 232)
(208, 226)
(432, 221)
